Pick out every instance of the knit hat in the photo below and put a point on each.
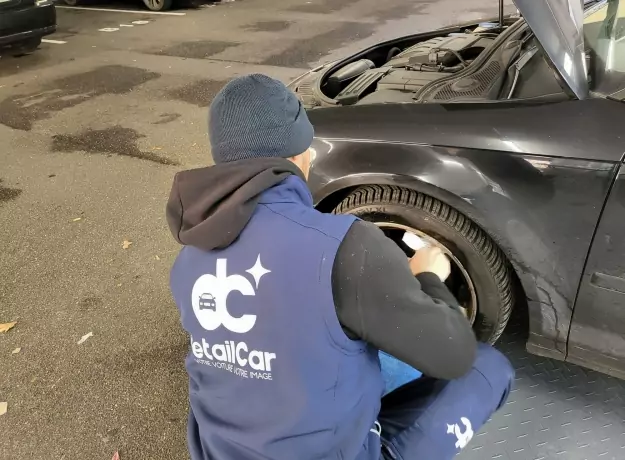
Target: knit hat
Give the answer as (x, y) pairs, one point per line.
(255, 116)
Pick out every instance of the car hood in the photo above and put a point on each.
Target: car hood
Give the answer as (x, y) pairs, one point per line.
(558, 25)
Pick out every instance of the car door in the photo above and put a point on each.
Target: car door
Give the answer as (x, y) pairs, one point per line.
(597, 336)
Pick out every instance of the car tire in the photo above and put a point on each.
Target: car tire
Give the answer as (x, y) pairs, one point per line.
(158, 5)
(26, 47)
(483, 260)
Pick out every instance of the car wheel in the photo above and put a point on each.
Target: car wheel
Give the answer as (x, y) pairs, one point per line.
(26, 47)
(481, 277)
(158, 5)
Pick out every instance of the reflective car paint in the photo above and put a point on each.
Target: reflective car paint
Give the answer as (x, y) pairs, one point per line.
(535, 177)
(592, 128)
(22, 20)
(558, 25)
(600, 307)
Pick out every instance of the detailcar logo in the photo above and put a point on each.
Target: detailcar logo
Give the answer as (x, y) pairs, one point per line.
(210, 294)
(209, 299)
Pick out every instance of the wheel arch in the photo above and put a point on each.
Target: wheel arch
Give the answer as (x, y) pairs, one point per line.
(339, 189)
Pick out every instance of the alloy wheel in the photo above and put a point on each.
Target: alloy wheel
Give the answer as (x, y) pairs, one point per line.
(459, 281)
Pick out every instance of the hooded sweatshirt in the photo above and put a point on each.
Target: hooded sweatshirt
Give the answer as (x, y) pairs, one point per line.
(286, 308)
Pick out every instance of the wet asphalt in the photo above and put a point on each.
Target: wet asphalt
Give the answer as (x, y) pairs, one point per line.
(91, 133)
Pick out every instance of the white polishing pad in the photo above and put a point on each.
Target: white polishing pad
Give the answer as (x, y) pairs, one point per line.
(414, 241)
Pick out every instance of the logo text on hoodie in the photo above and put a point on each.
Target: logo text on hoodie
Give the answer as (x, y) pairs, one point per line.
(209, 300)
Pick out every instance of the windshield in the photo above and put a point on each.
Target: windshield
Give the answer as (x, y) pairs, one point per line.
(604, 38)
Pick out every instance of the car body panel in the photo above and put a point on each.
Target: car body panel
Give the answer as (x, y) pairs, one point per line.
(25, 20)
(558, 25)
(600, 306)
(534, 177)
(514, 127)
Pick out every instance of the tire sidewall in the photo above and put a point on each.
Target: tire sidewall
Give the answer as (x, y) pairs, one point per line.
(487, 292)
(166, 5)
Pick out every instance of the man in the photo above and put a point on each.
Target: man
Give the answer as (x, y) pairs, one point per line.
(287, 309)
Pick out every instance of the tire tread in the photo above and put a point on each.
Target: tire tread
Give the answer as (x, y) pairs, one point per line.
(496, 261)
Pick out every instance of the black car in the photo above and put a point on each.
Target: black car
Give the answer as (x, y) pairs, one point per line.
(503, 144)
(154, 5)
(23, 23)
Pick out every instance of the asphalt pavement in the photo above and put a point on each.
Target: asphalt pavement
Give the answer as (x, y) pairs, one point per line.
(93, 127)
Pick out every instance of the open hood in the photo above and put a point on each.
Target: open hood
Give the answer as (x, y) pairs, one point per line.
(558, 25)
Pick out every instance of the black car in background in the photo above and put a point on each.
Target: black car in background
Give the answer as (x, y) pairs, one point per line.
(502, 143)
(23, 23)
(153, 5)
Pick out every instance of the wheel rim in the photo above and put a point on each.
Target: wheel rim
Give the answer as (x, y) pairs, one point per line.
(416, 239)
(155, 4)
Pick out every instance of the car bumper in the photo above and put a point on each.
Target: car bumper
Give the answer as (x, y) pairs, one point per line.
(29, 22)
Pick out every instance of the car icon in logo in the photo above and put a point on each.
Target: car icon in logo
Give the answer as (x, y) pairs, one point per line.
(207, 302)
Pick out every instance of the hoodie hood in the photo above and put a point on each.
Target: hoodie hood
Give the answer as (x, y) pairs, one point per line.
(209, 207)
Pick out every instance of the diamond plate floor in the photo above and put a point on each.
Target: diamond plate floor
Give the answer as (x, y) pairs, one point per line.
(556, 411)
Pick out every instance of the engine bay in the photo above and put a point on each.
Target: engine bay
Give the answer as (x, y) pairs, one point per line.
(415, 67)
(464, 65)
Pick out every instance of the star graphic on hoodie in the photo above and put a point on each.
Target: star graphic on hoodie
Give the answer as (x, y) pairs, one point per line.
(257, 271)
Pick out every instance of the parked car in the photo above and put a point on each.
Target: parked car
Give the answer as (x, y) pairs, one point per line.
(154, 5)
(503, 144)
(23, 23)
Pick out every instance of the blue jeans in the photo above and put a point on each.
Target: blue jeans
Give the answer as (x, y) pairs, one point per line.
(431, 419)
(396, 373)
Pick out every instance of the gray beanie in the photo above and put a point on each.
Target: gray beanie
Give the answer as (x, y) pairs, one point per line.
(255, 116)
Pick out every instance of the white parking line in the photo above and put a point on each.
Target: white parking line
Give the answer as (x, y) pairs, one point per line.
(54, 42)
(115, 29)
(168, 13)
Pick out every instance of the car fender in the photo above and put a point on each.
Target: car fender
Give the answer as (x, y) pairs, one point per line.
(501, 193)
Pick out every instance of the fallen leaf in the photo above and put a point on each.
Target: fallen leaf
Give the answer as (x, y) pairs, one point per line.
(115, 456)
(16, 351)
(119, 285)
(126, 244)
(85, 337)
(3, 408)
(76, 219)
(157, 258)
(5, 327)
(157, 148)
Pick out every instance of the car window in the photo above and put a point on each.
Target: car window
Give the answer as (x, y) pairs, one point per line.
(604, 37)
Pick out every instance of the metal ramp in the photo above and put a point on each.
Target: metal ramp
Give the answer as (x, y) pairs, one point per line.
(556, 411)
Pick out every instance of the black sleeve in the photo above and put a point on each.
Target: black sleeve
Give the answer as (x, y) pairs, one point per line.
(415, 319)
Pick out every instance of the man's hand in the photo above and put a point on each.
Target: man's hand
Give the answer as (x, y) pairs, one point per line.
(430, 259)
